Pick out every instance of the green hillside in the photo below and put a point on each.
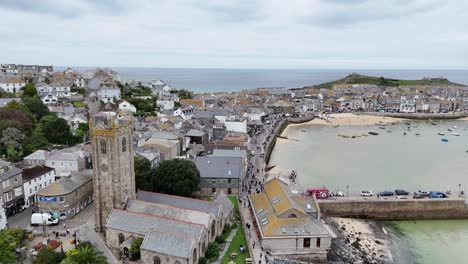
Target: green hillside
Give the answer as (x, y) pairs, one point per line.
(382, 81)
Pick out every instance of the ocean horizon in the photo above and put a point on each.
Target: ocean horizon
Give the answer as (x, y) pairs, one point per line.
(200, 80)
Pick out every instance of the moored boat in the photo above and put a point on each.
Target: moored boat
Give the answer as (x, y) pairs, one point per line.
(444, 140)
(441, 134)
(455, 134)
(373, 133)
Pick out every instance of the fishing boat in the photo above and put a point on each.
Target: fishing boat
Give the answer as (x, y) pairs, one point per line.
(455, 134)
(373, 133)
(441, 134)
(382, 127)
(434, 124)
(449, 129)
(389, 131)
(404, 133)
(444, 140)
(417, 134)
(455, 127)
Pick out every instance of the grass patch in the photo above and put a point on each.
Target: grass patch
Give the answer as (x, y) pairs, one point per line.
(78, 104)
(237, 240)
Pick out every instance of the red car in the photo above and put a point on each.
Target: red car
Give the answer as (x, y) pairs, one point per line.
(320, 193)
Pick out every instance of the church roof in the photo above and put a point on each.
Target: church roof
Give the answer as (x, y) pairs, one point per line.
(168, 243)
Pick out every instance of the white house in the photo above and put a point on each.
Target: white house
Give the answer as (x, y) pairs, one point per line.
(125, 105)
(109, 94)
(34, 179)
(407, 105)
(66, 161)
(12, 84)
(235, 124)
(165, 104)
(185, 113)
(38, 157)
(49, 98)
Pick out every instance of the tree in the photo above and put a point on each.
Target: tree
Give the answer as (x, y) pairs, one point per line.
(48, 256)
(135, 247)
(29, 90)
(176, 176)
(11, 143)
(212, 251)
(36, 107)
(56, 130)
(143, 174)
(17, 116)
(7, 249)
(87, 255)
(35, 141)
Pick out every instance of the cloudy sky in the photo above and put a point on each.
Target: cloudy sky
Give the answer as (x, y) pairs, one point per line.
(315, 34)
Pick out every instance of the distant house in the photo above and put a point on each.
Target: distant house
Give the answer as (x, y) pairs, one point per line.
(234, 124)
(109, 94)
(407, 105)
(151, 154)
(12, 84)
(35, 179)
(38, 157)
(196, 136)
(195, 103)
(66, 161)
(165, 103)
(125, 105)
(219, 174)
(185, 112)
(49, 99)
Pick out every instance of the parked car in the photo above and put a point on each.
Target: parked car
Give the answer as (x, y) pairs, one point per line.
(401, 192)
(423, 193)
(340, 194)
(386, 193)
(401, 197)
(319, 192)
(437, 195)
(417, 196)
(366, 193)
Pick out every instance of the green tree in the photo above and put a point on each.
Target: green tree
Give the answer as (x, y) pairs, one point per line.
(29, 90)
(36, 107)
(212, 251)
(7, 249)
(176, 176)
(35, 141)
(143, 174)
(17, 116)
(11, 144)
(48, 256)
(135, 247)
(87, 255)
(57, 131)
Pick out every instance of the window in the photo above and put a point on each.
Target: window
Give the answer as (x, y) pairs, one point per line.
(50, 181)
(318, 242)
(124, 144)
(30, 190)
(306, 243)
(103, 147)
(8, 196)
(16, 179)
(195, 259)
(156, 260)
(229, 191)
(35, 188)
(121, 238)
(6, 183)
(213, 190)
(40, 186)
(77, 193)
(213, 180)
(229, 180)
(53, 163)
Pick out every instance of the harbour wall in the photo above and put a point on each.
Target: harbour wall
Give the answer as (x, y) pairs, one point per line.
(423, 209)
(418, 116)
(279, 129)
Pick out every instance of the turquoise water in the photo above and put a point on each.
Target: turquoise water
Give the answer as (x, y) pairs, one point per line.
(386, 162)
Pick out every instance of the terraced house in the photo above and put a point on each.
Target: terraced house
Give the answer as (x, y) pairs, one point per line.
(11, 188)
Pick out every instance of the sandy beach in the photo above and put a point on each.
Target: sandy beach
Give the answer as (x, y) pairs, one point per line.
(346, 119)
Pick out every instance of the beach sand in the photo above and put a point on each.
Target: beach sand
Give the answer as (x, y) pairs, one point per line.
(346, 119)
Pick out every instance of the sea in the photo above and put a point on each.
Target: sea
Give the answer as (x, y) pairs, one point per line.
(389, 161)
(217, 80)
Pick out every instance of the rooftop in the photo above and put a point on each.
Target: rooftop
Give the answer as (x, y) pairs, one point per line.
(36, 171)
(7, 170)
(168, 243)
(220, 167)
(67, 184)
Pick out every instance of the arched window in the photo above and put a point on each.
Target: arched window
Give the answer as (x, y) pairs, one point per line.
(156, 260)
(121, 238)
(103, 144)
(203, 247)
(124, 144)
(195, 256)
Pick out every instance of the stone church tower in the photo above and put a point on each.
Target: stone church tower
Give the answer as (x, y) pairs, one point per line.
(114, 174)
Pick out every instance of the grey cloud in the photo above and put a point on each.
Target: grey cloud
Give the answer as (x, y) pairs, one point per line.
(364, 11)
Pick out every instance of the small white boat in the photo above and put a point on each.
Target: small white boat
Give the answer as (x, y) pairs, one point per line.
(441, 134)
(455, 127)
(455, 134)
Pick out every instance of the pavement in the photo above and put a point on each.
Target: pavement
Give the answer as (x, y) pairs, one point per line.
(83, 224)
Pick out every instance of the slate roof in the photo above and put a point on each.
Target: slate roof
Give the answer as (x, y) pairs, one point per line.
(168, 243)
(171, 212)
(139, 223)
(195, 133)
(37, 155)
(182, 202)
(219, 167)
(225, 202)
(34, 172)
(7, 170)
(66, 185)
(229, 153)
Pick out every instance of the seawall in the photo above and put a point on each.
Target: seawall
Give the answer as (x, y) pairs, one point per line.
(423, 209)
(279, 129)
(418, 116)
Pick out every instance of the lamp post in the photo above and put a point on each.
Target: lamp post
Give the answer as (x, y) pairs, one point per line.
(347, 191)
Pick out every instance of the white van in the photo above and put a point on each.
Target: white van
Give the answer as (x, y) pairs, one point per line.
(38, 219)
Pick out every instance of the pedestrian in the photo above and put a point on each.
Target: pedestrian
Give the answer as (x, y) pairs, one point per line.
(57, 235)
(378, 196)
(253, 244)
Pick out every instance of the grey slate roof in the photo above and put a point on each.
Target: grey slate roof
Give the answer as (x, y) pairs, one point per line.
(219, 167)
(168, 243)
(229, 153)
(195, 133)
(68, 184)
(139, 223)
(179, 201)
(171, 212)
(38, 155)
(7, 170)
(225, 202)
